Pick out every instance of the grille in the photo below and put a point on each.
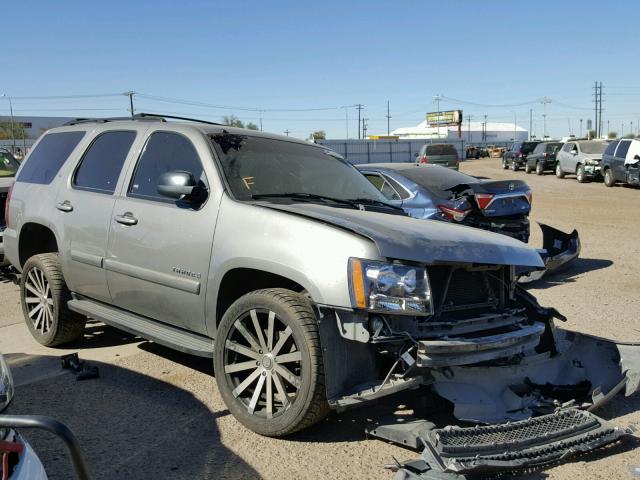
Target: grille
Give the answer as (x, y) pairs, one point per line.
(494, 438)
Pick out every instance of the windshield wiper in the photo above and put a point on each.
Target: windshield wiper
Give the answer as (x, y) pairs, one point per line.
(370, 201)
(307, 197)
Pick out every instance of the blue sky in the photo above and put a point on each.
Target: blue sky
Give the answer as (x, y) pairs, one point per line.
(299, 55)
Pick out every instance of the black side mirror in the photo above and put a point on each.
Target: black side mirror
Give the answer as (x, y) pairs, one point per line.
(176, 184)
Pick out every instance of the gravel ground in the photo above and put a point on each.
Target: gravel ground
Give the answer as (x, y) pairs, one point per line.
(155, 413)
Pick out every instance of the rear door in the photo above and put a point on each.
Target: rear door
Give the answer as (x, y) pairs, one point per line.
(159, 248)
(84, 205)
(617, 164)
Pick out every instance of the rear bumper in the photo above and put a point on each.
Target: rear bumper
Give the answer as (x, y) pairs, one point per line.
(517, 228)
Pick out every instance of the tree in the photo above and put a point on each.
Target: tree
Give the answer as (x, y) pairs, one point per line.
(232, 121)
(319, 135)
(629, 135)
(612, 135)
(18, 130)
(591, 134)
(252, 126)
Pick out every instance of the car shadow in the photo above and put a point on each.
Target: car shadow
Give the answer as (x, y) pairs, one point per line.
(129, 425)
(570, 272)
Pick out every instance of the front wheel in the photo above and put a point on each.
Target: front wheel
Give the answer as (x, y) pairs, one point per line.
(609, 181)
(581, 175)
(559, 172)
(268, 362)
(527, 168)
(44, 296)
(539, 168)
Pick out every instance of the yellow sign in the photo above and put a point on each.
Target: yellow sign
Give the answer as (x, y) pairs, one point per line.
(450, 117)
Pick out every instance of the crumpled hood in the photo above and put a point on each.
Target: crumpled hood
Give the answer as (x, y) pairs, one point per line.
(425, 241)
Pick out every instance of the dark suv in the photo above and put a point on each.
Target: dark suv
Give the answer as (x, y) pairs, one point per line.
(621, 163)
(516, 156)
(542, 158)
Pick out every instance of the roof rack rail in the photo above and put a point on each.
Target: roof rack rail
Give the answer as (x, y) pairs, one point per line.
(138, 116)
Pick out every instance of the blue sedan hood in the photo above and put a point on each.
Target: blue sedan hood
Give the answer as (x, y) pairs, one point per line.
(425, 241)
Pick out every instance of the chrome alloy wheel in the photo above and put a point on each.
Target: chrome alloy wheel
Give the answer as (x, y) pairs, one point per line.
(39, 300)
(263, 363)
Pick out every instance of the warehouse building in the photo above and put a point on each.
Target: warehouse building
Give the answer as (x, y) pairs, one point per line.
(469, 132)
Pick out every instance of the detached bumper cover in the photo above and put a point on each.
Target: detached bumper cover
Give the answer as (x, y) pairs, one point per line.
(559, 249)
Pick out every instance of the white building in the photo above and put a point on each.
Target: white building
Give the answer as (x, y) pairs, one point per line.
(470, 132)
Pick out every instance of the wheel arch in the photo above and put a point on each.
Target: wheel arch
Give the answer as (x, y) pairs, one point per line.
(36, 238)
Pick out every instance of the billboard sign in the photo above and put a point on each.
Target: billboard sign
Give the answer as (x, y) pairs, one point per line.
(448, 118)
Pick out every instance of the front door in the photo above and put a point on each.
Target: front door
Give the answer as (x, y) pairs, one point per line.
(159, 249)
(84, 206)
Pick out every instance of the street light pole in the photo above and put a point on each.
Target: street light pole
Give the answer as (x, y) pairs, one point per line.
(437, 99)
(13, 132)
(544, 102)
(580, 128)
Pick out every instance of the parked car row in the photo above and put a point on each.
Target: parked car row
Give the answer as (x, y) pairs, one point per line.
(613, 162)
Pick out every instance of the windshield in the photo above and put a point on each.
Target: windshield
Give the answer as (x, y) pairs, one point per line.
(256, 166)
(593, 147)
(8, 165)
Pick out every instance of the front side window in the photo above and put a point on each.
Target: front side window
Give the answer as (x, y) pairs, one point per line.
(539, 149)
(164, 152)
(102, 163)
(255, 166)
(552, 147)
(45, 161)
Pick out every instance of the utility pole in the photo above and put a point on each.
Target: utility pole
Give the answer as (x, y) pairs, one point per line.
(388, 119)
(130, 94)
(287, 132)
(13, 132)
(600, 122)
(595, 99)
(544, 101)
(530, 123)
(364, 127)
(437, 98)
(580, 128)
(608, 129)
(346, 118)
(260, 111)
(359, 106)
(469, 128)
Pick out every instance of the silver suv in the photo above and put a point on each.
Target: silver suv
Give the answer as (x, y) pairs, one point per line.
(284, 264)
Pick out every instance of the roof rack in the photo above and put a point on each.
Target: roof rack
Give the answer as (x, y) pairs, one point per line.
(140, 117)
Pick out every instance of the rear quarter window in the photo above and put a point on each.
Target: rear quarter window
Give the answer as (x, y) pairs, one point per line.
(622, 150)
(45, 161)
(611, 148)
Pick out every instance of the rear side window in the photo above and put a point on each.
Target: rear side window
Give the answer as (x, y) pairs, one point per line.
(528, 147)
(164, 152)
(101, 164)
(47, 158)
(611, 148)
(623, 149)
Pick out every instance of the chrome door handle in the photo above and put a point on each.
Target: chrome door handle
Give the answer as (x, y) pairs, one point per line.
(65, 206)
(126, 218)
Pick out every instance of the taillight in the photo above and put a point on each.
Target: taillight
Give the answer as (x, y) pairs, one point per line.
(424, 159)
(519, 154)
(454, 213)
(484, 199)
(6, 206)
(529, 195)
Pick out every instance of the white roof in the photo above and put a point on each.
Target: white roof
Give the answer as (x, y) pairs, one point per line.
(424, 129)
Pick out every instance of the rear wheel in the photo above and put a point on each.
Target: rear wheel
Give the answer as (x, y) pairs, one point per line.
(609, 181)
(581, 175)
(268, 362)
(504, 164)
(539, 168)
(559, 172)
(527, 168)
(44, 296)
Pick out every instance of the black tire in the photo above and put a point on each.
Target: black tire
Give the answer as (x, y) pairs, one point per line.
(559, 172)
(50, 322)
(308, 404)
(505, 166)
(581, 175)
(514, 166)
(609, 181)
(539, 168)
(527, 168)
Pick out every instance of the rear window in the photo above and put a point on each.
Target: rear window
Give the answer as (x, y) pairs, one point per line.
(45, 161)
(441, 150)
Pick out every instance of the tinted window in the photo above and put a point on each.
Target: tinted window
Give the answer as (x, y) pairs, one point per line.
(538, 149)
(164, 152)
(551, 147)
(611, 148)
(622, 150)
(527, 147)
(102, 162)
(47, 158)
(441, 150)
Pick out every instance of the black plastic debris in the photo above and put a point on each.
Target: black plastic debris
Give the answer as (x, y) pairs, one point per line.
(83, 370)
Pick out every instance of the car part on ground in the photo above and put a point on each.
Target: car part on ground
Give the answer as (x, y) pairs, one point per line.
(559, 250)
(316, 292)
(432, 192)
(83, 370)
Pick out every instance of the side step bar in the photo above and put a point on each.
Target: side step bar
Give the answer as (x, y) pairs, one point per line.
(161, 333)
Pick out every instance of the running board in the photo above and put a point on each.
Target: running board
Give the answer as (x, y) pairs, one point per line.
(456, 452)
(161, 333)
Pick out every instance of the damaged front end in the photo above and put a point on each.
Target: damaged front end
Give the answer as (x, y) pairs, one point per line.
(492, 352)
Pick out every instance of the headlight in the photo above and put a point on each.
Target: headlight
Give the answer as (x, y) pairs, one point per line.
(590, 161)
(389, 287)
(6, 384)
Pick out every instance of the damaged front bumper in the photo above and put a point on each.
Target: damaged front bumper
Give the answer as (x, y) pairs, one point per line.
(559, 249)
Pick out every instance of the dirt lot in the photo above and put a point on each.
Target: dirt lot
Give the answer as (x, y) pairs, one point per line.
(157, 414)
